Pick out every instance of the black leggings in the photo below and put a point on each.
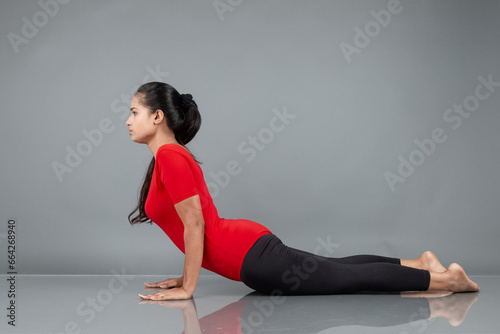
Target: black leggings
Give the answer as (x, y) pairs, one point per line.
(273, 268)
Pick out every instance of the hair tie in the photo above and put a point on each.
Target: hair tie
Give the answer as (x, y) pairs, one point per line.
(186, 101)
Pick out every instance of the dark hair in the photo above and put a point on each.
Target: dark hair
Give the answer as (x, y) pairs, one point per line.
(182, 117)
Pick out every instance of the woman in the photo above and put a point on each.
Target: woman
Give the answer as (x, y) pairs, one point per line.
(174, 196)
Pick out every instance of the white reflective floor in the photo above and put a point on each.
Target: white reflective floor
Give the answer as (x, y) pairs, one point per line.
(110, 304)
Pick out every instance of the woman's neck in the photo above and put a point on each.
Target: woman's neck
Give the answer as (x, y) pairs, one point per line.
(160, 140)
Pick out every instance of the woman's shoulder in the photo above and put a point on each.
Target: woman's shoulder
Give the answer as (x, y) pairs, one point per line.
(172, 148)
(169, 152)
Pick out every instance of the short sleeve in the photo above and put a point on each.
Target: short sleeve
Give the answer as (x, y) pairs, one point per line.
(176, 175)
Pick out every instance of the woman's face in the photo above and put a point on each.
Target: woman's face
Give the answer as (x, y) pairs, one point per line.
(141, 121)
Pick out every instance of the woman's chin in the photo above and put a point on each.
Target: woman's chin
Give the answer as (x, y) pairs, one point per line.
(137, 140)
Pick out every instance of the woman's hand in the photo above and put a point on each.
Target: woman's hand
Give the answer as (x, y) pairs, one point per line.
(168, 283)
(171, 294)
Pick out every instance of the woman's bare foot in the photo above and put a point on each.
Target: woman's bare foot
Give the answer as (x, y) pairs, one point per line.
(458, 280)
(427, 261)
(453, 279)
(430, 262)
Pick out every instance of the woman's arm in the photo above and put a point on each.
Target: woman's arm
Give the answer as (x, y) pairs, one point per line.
(189, 210)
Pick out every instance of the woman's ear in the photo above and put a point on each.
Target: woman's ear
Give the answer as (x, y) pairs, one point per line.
(158, 117)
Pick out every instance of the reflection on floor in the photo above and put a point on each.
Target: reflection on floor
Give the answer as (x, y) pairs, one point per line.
(110, 304)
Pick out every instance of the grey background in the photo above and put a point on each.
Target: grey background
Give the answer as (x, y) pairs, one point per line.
(321, 177)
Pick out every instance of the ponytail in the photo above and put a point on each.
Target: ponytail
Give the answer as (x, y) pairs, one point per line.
(191, 119)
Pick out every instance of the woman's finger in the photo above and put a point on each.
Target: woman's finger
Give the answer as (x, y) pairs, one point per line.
(151, 285)
(167, 295)
(153, 296)
(154, 285)
(168, 284)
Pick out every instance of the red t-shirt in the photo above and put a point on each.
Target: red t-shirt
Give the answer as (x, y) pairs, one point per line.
(178, 176)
